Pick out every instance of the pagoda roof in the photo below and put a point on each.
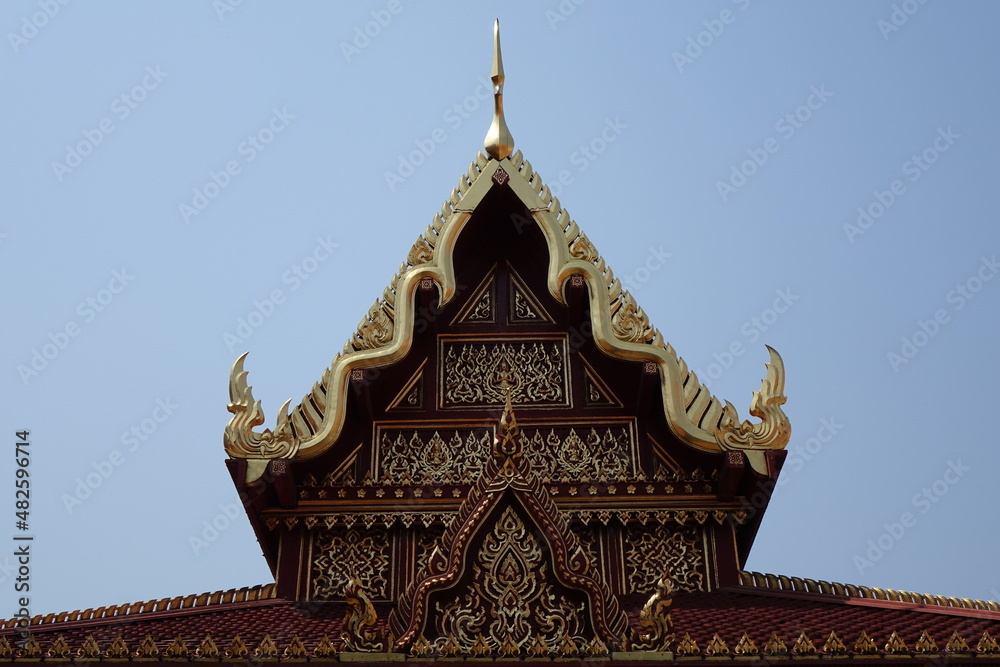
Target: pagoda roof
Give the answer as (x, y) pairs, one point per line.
(620, 328)
(765, 615)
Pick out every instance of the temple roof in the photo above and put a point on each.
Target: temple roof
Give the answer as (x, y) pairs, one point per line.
(763, 615)
(503, 539)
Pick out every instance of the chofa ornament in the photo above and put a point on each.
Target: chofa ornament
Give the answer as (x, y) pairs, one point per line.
(239, 438)
(774, 430)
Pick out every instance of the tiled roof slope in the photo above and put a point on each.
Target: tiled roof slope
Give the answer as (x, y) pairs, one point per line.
(753, 620)
(806, 621)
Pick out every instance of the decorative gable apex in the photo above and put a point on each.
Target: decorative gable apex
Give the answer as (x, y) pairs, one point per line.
(619, 326)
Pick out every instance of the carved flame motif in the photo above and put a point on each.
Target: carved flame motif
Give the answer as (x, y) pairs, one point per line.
(357, 635)
(421, 252)
(655, 616)
(473, 373)
(581, 248)
(343, 555)
(629, 322)
(239, 438)
(774, 430)
(509, 601)
(375, 330)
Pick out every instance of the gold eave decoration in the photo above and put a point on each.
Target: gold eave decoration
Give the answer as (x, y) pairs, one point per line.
(621, 330)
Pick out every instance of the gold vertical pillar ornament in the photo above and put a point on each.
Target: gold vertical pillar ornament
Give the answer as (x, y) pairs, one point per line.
(498, 143)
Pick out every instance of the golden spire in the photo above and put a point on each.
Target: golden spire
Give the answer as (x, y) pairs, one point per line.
(498, 143)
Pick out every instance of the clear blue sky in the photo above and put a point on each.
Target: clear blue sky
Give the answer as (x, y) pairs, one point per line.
(169, 168)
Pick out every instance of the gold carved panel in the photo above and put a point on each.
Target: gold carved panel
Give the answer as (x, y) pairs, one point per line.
(652, 550)
(510, 600)
(473, 373)
(602, 451)
(599, 452)
(340, 554)
(431, 456)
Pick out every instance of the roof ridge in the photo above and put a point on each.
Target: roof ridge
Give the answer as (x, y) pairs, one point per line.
(800, 585)
(200, 600)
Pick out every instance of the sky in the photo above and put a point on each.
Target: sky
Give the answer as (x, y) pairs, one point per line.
(187, 181)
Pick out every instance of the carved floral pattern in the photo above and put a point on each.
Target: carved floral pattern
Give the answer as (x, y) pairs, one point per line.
(482, 311)
(340, 555)
(427, 457)
(473, 374)
(522, 307)
(602, 453)
(652, 550)
(422, 456)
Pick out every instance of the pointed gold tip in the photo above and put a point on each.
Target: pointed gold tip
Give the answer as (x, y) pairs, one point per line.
(497, 73)
(499, 144)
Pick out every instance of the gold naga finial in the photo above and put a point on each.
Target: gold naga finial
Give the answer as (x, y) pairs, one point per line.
(498, 143)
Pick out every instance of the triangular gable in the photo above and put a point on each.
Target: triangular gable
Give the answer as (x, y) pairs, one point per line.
(620, 329)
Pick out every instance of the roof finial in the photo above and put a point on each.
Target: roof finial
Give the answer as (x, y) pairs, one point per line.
(499, 144)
